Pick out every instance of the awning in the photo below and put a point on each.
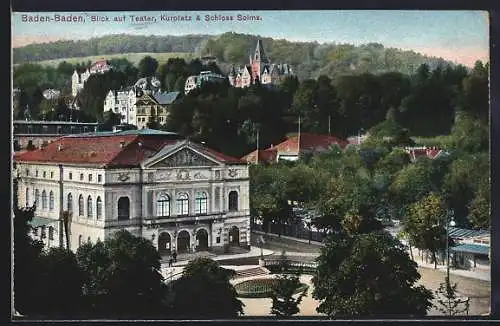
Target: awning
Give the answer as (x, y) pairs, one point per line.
(466, 233)
(472, 248)
(40, 221)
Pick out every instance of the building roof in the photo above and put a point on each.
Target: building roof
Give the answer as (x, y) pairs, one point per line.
(472, 248)
(429, 152)
(466, 233)
(261, 155)
(122, 149)
(101, 64)
(166, 98)
(309, 142)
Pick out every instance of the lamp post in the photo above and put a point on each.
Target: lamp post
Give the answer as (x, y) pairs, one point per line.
(359, 135)
(448, 224)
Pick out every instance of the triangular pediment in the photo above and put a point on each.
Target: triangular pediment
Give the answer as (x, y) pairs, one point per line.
(182, 158)
(146, 99)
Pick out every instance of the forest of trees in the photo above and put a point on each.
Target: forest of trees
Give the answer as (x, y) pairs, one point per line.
(425, 103)
(110, 44)
(308, 59)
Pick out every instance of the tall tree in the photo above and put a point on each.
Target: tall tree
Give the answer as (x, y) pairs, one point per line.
(368, 275)
(284, 303)
(62, 278)
(201, 278)
(147, 66)
(27, 264)
(426, 224)
(448, 301)
(123, 259)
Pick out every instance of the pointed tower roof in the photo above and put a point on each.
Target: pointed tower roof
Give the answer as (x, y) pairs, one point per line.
(259, 52)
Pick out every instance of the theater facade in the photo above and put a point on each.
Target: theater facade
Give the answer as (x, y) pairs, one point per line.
(181, 195)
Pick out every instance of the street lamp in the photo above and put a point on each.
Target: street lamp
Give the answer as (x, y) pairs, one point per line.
(448, 224)
(359, 135)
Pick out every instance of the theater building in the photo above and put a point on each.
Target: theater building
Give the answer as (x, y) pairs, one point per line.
(181, 195)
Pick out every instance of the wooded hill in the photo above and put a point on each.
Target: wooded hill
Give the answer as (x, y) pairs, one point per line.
(309, 59)
(109, 44)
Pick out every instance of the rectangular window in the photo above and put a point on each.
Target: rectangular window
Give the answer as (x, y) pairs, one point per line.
(217, 239)
(52, 175)
(70, 176)
(217, 198)
(81, 176)
(44, 174)
(36, 173)
(90, 177)
(99, 178)
(27, 172)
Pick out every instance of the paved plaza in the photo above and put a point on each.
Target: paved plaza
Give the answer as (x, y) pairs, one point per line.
(475, 285)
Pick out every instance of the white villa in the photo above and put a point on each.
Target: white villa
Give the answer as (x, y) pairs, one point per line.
(78, 79)
(181, 195)
(123, 101)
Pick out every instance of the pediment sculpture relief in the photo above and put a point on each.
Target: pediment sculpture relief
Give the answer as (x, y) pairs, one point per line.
(185, 157)
(183, 175)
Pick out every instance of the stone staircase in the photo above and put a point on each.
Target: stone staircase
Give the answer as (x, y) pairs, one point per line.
(255, 271)
(234, 250)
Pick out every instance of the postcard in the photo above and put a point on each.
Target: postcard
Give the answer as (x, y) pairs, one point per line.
(213, 165)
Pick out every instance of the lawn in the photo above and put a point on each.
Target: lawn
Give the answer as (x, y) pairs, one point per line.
(132, 57)
(443, 141)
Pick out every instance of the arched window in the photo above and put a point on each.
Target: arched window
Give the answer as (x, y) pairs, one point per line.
(89, 207)
(27, 197)
(43, 232)
(88, 240)
(51, 200)
(80, 206)
(80, 240)
(123, 208)
(51, 233)
(201, 203)
(44, 199)
(163, 205)
(70, 203)
(233, 201)
(99, 208)
(183, 204)
(37, 197)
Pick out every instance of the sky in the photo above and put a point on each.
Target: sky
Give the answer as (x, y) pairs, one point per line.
(458, 36)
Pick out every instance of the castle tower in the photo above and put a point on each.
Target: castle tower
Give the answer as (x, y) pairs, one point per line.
(258, 60)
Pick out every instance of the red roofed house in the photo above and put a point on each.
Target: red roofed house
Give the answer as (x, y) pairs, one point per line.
(291, 148)
(181, 195)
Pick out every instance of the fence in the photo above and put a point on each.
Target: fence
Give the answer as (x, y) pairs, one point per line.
(275, 265)
(294, 230)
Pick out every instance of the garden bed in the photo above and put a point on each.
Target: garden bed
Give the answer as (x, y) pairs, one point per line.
(261, 288)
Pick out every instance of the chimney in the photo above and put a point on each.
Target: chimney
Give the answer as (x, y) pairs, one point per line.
(60, 147)
(122, 143)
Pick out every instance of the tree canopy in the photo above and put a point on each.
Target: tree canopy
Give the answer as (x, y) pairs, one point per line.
(193, 293)
(368, 275)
